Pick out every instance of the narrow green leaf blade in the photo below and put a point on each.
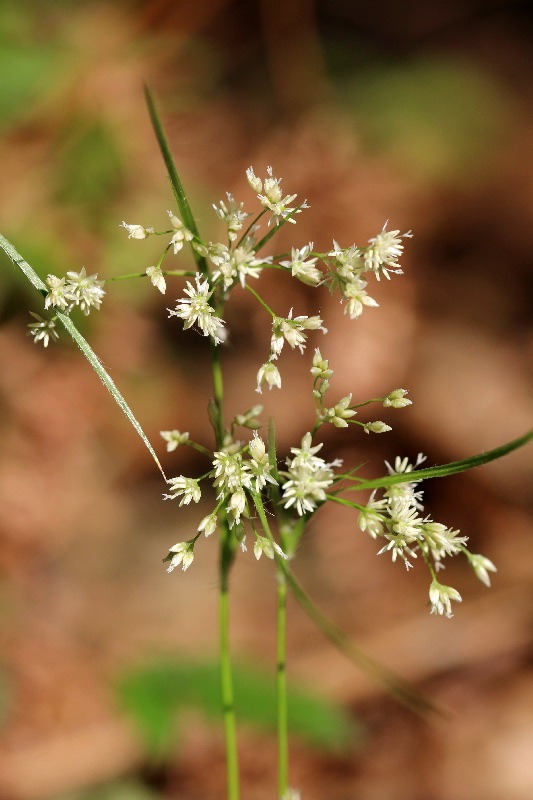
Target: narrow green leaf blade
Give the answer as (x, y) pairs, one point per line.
(84, 346)
(404, 691)
(177, 186)
(448, 469)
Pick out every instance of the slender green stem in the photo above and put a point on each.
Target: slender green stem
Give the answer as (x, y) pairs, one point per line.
(250, 226)
(281, 684)
(226, 676)
(218, 392)
(226, 557)
(175, 272)
(265, 306)
(281, 673)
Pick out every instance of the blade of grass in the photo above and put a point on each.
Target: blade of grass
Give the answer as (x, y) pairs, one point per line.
(84, 346)
(177, 186)
(404, 691)
(447, 469)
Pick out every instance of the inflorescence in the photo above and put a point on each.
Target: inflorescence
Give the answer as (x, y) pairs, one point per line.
(244, 474)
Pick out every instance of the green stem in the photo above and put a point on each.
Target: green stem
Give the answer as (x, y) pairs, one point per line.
(265, 306)
(281, 657)
(226, 557)
(281, 684)
(218, 392)
(226, 676)
(176, 272)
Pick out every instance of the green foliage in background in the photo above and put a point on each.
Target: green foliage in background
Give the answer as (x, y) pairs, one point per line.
(154, 696)
(90, 167)
(117, 790)
(439, 116)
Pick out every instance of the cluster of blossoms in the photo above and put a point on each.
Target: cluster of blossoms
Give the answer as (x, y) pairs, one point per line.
(397, 518)
(243, 473)
(76, 289)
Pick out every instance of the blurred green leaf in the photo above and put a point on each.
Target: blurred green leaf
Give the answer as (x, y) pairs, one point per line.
(30, 69)
(91, 169)
(436, 115)
(117, 790)
(155, 694)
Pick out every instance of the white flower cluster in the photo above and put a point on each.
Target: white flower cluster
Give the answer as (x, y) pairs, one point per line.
(292, 331)
(303, 267)
(396, 518)
(235, 263)
(308, 477)
(233, 475)
(232, 214)
(76, 289)
(269, 194)
(350, 264)
(195, 308)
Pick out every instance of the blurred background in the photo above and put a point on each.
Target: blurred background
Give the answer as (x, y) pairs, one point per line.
(418, 113)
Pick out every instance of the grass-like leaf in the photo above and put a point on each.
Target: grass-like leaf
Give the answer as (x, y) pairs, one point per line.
(177, 186)
(447, 469)
(155, 694)
(84, 346)
(404, 691)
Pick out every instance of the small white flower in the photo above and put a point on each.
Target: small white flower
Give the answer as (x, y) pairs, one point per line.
(292, 331)
(85, 290)
(186, 488)
(157, 278)
(136, 231)
(59, 294)
(232, 215)
(320, 368)
(181, 235)
(260, 466)
(303, 267)
(440, 598)
(348, 263)
(236, 506)
(264, 545)
(338, 414)
(256, 184)
(384, 250)
(42, 330)
(442, 541)
(377, 427)
(270, 195)
(236, 263)
(482, 566)
(209, 524)
(268, 374)
(397, 399)
(183, 554)
(230, 472)
(291, 794)
(371, 519)
(174, 439)
(357, 297)
(195, 308)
